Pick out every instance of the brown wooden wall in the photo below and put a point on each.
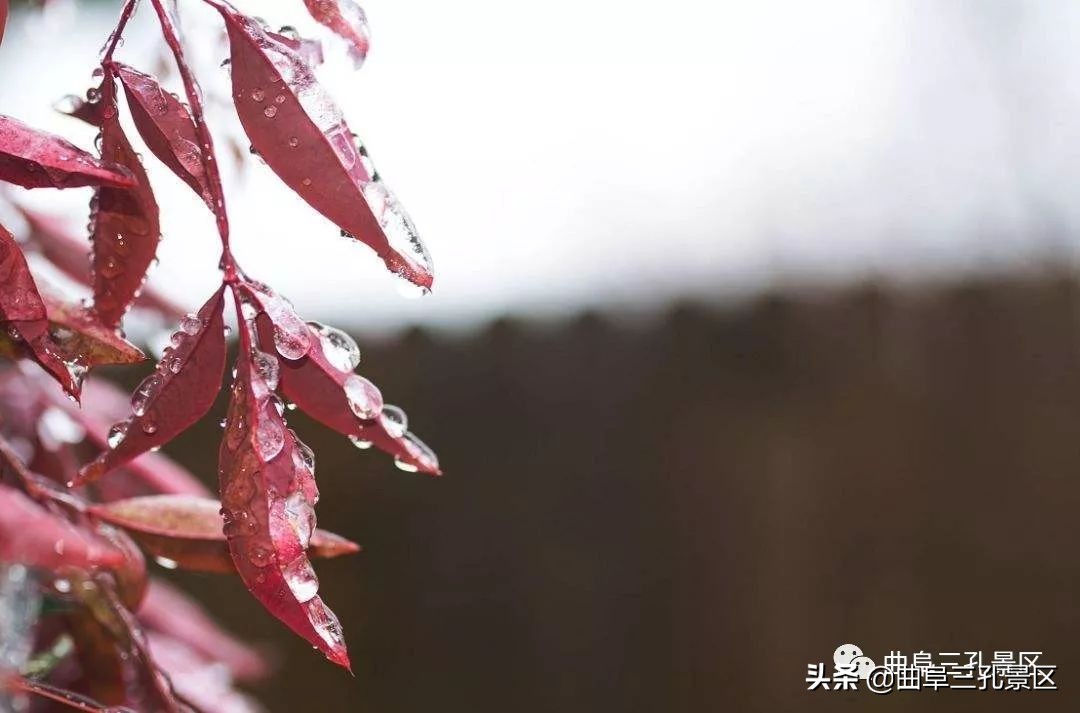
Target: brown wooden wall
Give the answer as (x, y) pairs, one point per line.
(680, 516)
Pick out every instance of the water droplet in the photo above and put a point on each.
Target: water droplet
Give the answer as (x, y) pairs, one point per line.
(191, 324)
(303, 456)
(339, 348)
(394, 420)
(301, 517)
(260, 556)
(306, 181)
(266, 366)
(364, 398)
(294, 142)
(360, 443)
(257, 95)
(149, 427)
(166, 562)
(117, 433)
(291, 343)
(326, 624)
(420, 453)
(269, 436)
(111, 267)
(280, 99)
(146, 391)
(270, 112)
(300, 576)
(405, 466)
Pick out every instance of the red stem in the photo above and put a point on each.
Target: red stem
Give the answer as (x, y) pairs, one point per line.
(67, 698)
(117, 33)
(191, 89)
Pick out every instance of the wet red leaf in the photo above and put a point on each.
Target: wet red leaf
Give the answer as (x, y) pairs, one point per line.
(50, 237)
(347, 20)
(198, 679)
(36, 159)
(190, 531)
(167, 128)
(268, 494)
(24, 317)
(175, 614)
(335, 396)
(126, 226)
(179, 392)
(81, 338)
(299, 131)
(31, 535)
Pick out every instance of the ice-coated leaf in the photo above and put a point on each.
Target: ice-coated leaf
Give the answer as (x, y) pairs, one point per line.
(24, 318)
(172, 612)
(310, 51)
(178, 393)
(337, 397)
(301, 134)
(36, 159)
(347, 20)
(31, 535)
(167, 128)
(268, 494)
(126, 224)
(189, 531)
(50, 237)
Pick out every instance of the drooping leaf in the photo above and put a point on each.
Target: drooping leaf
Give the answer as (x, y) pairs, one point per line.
(24, 318)
(167, 128)
(36, 159)
(322, 383)
(347, 20)
(179, 392)
(268, 494)
(31, 535)
(301, 134)
(126, 225)
(175, 614)
(71, 256)
(190, 531)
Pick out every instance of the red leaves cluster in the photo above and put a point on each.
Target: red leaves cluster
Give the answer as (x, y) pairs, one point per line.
(86, 533)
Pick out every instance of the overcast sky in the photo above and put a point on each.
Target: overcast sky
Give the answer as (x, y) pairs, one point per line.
(599, 153)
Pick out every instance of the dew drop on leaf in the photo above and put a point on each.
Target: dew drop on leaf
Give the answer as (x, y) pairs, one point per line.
(190, 324)
(365, 400)
(301, 517)
(144, 392)
(266, 366)
(290, 343)
(394, 420)
(300, 576)
(339, 348)
(270, 112)
(116, 433)
(260, 556)
(269, 437)
(360, 443)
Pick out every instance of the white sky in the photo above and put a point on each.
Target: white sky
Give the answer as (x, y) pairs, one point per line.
(592, 152)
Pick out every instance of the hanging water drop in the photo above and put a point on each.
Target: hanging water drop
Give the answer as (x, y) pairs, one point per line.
(364, 398)
(339, 348)
(117, 433)
(394, 420)
(301, 578)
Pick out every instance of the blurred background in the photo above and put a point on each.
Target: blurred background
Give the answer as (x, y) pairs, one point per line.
(754, 332)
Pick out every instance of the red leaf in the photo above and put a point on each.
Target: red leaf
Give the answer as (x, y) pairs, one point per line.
(126, 228)
(299, 131)
(198, 679)
(167, 128)
(50, 237)
(179, 392)
(346, 19)
(174, 613)
(3, 18)
(80, 338)
(190, 531)
(36, 159)
(330, 392)
(23, 314)
(268, 496)
(31, 535)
